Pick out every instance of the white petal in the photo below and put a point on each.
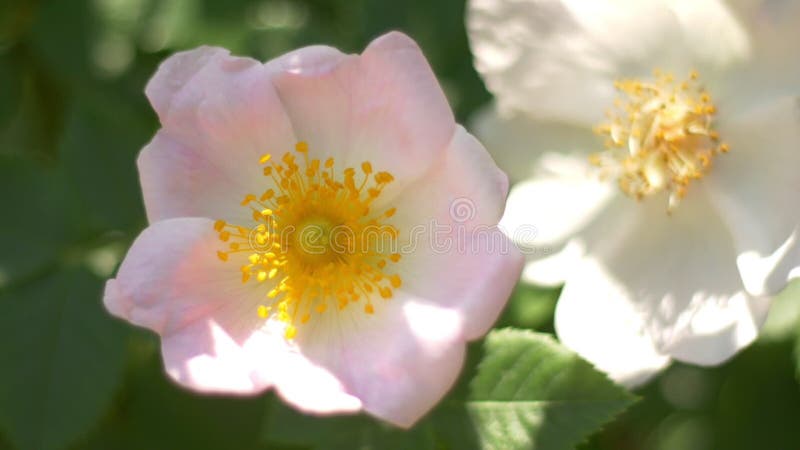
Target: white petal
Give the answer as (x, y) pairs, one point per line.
(516, 141)
(757, 186)
(552, 266)
(677, 273)
(558, 59)
(596, 319)
(550, 208)
(774, 27)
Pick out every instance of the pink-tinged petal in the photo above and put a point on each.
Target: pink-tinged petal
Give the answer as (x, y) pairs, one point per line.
(454, 255)
(175, 72)
(672, 270)
(204, 357)
(756, 187)
(384, 106)
(472, 274)
(300, 381)
(399, 362)
(224, 113)
(402, 359)
(309, 61)
(180, 181)
(168, 260)
(172, 282)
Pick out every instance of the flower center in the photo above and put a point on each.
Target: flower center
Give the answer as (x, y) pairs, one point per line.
(315, 240)
(659, 137)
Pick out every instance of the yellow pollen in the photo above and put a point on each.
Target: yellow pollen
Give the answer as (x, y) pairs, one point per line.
(315, 242)
(659, 137)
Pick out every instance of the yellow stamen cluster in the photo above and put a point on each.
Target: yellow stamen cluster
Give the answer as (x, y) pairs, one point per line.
(659, 137)
(315, 243)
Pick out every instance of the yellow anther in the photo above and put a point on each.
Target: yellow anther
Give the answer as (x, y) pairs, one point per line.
(247, 199)
(307, 277)
(222, 256)
(659, 137)
(268, 194)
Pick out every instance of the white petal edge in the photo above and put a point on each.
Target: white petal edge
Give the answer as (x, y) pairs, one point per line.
(756, 187)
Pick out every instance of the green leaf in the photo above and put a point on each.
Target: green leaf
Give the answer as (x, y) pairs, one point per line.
(156, 414)
(797, 355)
(531, 307)
(286, 426)
(99, 149)
(63, 359)
(532, 393)
(33, 120)
(44, 222)
(11, 84)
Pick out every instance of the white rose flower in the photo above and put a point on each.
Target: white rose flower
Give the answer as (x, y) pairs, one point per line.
(671, 208)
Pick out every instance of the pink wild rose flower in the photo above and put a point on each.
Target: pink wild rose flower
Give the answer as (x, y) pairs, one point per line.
(320, 225)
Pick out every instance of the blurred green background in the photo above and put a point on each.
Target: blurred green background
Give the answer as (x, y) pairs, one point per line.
(73, 117)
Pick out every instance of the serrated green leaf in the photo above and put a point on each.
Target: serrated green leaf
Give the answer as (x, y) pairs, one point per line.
(63, 359)
(532, 393)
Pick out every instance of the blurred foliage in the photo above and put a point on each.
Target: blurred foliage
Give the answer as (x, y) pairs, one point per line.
(72, 120)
